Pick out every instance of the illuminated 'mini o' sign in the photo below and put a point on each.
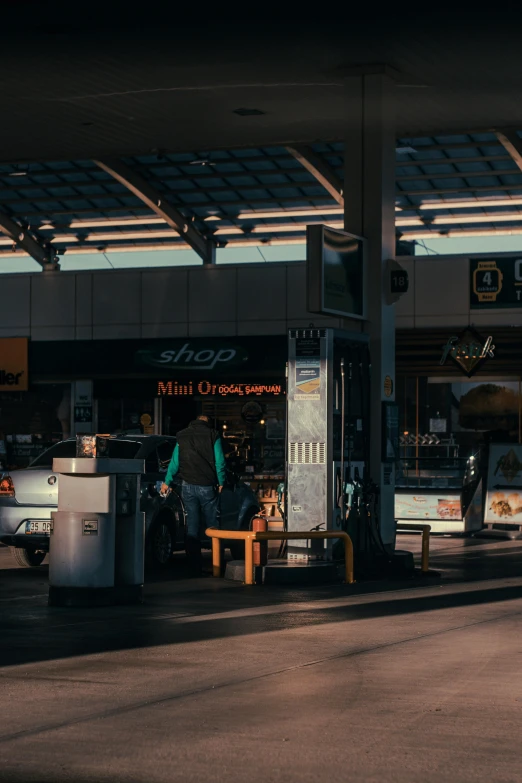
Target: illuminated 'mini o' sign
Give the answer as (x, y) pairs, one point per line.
(209, 389)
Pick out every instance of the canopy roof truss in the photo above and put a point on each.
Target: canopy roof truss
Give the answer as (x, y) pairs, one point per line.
(458, 185)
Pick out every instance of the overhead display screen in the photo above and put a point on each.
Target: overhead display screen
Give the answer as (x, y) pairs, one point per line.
(335, 271)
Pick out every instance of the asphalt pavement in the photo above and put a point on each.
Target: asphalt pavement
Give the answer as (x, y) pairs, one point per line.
(210, 680)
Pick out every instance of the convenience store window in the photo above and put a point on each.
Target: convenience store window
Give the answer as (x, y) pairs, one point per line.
(253, 432)
(123, 416)
(465, 413)
(32, 421)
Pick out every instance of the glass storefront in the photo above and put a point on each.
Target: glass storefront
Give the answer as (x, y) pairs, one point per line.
(32, 421)
(466, 413)
(252, 428)
(447, 427)
(124, 415)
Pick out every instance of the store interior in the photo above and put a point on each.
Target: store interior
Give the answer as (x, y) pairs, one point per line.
(448, 426)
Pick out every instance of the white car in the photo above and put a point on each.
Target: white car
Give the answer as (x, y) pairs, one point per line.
(28, 496)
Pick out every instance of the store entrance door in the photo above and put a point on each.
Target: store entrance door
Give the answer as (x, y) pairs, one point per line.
(176, 413)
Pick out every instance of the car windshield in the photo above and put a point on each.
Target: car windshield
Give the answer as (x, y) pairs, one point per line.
(118, 449)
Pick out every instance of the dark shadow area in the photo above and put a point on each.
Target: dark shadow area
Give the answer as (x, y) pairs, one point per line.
(30, 631)
(40, 634)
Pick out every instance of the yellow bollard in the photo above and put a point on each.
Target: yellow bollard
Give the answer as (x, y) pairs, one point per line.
(249, 537)
(425, 530)
(348, 560)
(216, 557)
(249, 559)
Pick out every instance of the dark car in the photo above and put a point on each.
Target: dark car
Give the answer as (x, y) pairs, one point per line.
(28, 496)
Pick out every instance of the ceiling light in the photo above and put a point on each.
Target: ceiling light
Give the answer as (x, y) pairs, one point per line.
(138, 248)
(18, 173)
(281, 213)
(201, 162)
(490, 202)
(301, 212)
(504, 232)
(211, 217)
(248, 112)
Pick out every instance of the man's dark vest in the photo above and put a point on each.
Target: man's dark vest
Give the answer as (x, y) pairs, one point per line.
(196, 454)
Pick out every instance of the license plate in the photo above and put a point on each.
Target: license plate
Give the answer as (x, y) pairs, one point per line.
(40, 527)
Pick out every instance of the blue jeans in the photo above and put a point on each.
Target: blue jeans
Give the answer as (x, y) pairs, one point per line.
(202, 508)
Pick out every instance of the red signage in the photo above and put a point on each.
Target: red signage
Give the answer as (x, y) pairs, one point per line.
(209, 389)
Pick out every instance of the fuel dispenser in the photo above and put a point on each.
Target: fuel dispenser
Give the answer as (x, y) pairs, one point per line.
(329, 486)
(96, 545)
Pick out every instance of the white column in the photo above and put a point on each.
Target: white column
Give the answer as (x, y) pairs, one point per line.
(369, 198)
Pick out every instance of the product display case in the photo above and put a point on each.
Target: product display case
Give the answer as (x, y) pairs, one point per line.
(437, 484)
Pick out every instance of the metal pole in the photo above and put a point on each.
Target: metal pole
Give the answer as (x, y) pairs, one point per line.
(417, 427)
(342, 445)
(519, 414)
(425, 567)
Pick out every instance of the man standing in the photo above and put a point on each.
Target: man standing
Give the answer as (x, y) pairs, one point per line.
(198, 458)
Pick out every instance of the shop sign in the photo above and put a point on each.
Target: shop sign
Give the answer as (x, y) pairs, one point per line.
(207, 388)
(468, 351)
(495, 283)
(13, 364)
(186, 355)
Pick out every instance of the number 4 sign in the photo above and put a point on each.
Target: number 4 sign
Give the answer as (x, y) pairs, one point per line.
(495, 283)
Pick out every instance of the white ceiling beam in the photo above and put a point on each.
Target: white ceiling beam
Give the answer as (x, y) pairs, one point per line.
(512, 143)
(41, 251)
(319, 169)
(204, 247)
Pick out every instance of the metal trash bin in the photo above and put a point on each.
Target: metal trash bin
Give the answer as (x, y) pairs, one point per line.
(97, 540)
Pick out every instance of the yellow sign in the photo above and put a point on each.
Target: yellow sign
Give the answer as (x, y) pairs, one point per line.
(388, 386)
(145, 419)
(13, 364)
(487, 281)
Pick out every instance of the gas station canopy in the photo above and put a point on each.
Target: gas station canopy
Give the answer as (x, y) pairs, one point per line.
(457, 185)
(136, 134)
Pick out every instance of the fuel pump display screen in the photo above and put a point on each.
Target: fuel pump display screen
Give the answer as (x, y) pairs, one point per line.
(335, 261)
(308, 368)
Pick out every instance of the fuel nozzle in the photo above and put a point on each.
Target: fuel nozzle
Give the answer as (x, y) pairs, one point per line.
(349, 489)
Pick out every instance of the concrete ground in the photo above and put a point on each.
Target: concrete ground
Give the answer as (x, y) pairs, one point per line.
(209, 680)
